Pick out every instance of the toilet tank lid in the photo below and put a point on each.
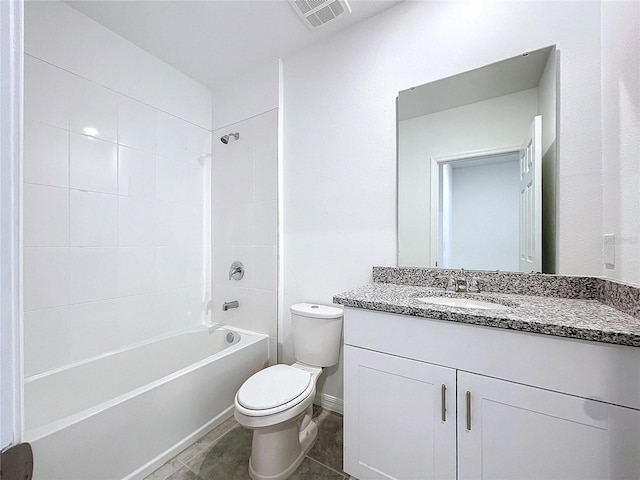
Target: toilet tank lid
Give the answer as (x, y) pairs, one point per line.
(316, 311)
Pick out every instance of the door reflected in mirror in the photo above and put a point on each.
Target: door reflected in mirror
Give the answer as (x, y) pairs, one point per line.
(476, 168)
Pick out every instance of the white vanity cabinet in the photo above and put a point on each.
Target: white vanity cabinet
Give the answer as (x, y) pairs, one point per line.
(400, 417)
(518, 405)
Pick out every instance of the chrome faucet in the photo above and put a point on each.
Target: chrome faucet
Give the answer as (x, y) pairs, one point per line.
(236, 271)
(459, 284)
(227, 305)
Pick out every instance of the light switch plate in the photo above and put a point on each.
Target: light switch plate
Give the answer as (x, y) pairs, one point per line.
(609, 249)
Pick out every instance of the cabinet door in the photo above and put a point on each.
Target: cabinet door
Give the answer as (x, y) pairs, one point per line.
(393, 417)
(523, 432)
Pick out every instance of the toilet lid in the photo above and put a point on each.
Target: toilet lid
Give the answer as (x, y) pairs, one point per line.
(272, 387)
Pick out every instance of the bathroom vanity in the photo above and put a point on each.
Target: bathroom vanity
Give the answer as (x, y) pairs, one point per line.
(549, 388)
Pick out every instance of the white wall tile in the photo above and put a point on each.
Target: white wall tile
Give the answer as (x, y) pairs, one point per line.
(273, 351)
(93, 329)
(264, 130)
(181, 308)
(46, 93)
(94, 219)
(266, 223)
(46, 154)
(136, 270)
(244, 254)
(243, 224)
(222, 225)
(136, 124)
(46, 216)
(222, 258)
(179, 179)
(171, 135)
(137, 222)
(257, 311)
(266, 268)
(178, 267)
(93, 164)
(179, 224)
(46, 277)
(112, 211)
(198, 140)
(221, 293)
(136, 173)
(47, 339)
(138, 318)
(170, 180)
(91, 105)
(93, 274)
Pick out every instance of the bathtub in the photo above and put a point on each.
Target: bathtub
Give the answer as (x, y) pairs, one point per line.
(124, 414)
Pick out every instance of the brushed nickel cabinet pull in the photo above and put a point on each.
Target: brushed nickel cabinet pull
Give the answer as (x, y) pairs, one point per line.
(444, 403)
(468, 411)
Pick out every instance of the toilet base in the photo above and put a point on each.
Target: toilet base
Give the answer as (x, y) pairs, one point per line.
(277, 451)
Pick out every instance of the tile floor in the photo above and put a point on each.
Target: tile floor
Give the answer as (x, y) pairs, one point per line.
(223, 454)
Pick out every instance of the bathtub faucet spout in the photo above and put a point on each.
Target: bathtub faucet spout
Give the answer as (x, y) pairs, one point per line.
(227, 305)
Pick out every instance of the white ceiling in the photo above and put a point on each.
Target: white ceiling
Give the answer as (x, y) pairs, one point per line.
(214, 41)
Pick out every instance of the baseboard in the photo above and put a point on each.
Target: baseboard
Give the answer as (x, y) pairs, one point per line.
(329, 402)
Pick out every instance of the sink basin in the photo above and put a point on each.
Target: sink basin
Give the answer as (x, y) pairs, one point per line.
(463, 303)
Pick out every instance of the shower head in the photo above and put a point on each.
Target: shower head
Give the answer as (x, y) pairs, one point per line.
(225, 138)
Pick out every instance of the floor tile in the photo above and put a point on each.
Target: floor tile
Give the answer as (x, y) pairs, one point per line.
(223, 454)
(205, 442)
(183, 474)
(165, 470)
(328, 446)
(228, 458)
(309, 469)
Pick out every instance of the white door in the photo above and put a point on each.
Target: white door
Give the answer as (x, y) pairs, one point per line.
(531, 199)
(513, 431)
(394, 423)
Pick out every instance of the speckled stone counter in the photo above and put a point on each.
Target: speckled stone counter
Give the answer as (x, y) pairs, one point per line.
(581, 316)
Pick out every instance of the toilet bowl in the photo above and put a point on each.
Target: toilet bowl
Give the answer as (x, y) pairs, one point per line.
(277, 402)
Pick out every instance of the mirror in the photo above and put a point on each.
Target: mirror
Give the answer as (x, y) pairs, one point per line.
(476, 168)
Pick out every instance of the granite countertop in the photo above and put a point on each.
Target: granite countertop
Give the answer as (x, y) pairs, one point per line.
(572, 318)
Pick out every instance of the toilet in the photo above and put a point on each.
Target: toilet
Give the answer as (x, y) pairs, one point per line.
(277, 402)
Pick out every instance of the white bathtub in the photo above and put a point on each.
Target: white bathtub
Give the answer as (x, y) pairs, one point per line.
(125, 414)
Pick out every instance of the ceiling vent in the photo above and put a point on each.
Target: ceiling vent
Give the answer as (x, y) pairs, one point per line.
(315, 13)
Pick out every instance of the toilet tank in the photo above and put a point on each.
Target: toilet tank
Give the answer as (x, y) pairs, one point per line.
(317, 330)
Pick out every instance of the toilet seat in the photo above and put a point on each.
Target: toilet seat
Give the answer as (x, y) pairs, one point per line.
(273, 390)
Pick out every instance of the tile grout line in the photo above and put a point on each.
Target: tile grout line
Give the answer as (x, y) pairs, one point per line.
(342, 474)
(189, 468)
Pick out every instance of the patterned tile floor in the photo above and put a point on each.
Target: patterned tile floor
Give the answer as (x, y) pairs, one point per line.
(223, 454)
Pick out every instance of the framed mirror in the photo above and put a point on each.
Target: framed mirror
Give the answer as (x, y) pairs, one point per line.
(476, 168)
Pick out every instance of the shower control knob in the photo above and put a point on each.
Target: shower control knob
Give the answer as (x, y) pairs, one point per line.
(236, 271)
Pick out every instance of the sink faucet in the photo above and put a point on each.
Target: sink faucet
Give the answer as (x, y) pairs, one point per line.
(461, 285)
(458, 284)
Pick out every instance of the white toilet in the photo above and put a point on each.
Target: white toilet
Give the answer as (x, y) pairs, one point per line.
(277, 402)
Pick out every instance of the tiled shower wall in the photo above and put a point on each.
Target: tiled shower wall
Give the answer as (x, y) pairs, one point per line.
(245, 224)
(116, 224)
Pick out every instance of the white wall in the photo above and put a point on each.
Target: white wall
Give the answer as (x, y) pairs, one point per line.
(491, 124)
(340, 148)
(245, 201)
(621, 135)
(116, 228)
(485, 216)
(11, 63)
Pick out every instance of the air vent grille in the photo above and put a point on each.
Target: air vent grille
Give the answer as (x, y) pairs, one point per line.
(315, 13)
